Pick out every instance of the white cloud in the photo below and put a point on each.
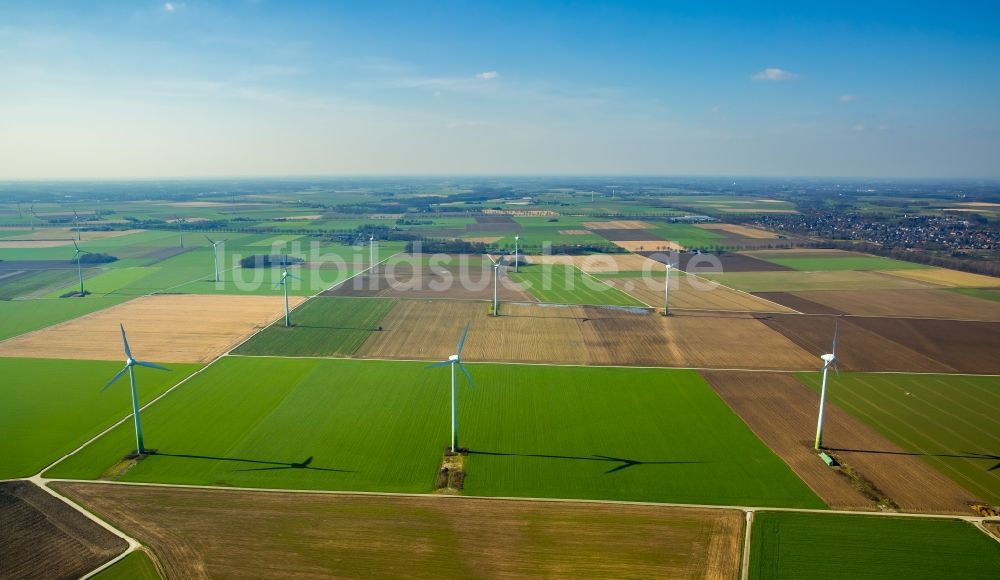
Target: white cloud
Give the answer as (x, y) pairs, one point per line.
(169, 6)
(488, 75)
(774, 74)
(859, 127)
(848, 98)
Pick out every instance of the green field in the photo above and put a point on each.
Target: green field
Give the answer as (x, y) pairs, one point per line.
(798, 545)
(37, 283)
(50, 407)
(687, 235)
(20, 316)
(562, 284)
(840, 263)
(323, 326)
(950, 421)
(135, 566)
(638, 434)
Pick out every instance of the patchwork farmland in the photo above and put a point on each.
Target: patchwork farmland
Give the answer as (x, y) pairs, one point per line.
(584, 393)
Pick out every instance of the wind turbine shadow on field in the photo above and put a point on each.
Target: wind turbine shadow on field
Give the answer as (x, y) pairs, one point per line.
(625, 463)
(962, 455)
(274, 464)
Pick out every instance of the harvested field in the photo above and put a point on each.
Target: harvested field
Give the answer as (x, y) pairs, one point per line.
(797, 301)
(915, 303)
(483, 240)
(43, 537)
(574, 232)
(581, 335)
(206, 326)
(949, 278)
(616, 225)
(742, 231)
(993, 528)
(783, 414)
(653, 245)
(726, 262)
(687, 293)
(471, 281)
(211, 533)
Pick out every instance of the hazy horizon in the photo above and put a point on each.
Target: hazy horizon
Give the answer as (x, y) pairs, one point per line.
(252, 89)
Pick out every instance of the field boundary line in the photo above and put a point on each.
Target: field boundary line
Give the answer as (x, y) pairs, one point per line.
(745, 562)
(443, 497)
(593, 366)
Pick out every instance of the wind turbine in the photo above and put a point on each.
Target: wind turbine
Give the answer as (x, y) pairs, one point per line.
(130, 364)
(829, 360)
(371, 252)
(180, 228)
(284, 283)
(76, 224)
(34, 216)
(79, 269)
(496, 286)
(516, 240)
(666, 291)
(455, 360)
(215, 254)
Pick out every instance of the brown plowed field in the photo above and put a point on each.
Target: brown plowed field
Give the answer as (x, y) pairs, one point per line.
(406, 280)
(686, 296)
(797, 301)
(188, 328)
(966, 347)
(917, 303)
(648, 245)
(43, 537)
(729, 262)
(199, 533)
(424, 330)
(782, 412)
(860, 349)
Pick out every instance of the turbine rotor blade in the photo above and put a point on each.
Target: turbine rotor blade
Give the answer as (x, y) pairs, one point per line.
(151, 365)
(461, 341)
(293, 276)
(76, 246)
(115, 378)
(128, 351)
(440, 364)
(836, 332)
(465, 372)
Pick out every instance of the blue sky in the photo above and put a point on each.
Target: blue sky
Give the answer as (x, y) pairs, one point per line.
(193, 88)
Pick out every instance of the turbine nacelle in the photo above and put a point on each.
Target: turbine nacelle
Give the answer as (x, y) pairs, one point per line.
(453, 358)
(828, 358)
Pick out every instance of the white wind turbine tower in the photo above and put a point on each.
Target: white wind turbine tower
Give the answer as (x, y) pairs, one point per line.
(215, 254)
(455, 360)
(79, 269)
(284, 283)
(829, 360)
(371, 253)
(496, 285)
(666, 291)
(130, 364)
(517, 239)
